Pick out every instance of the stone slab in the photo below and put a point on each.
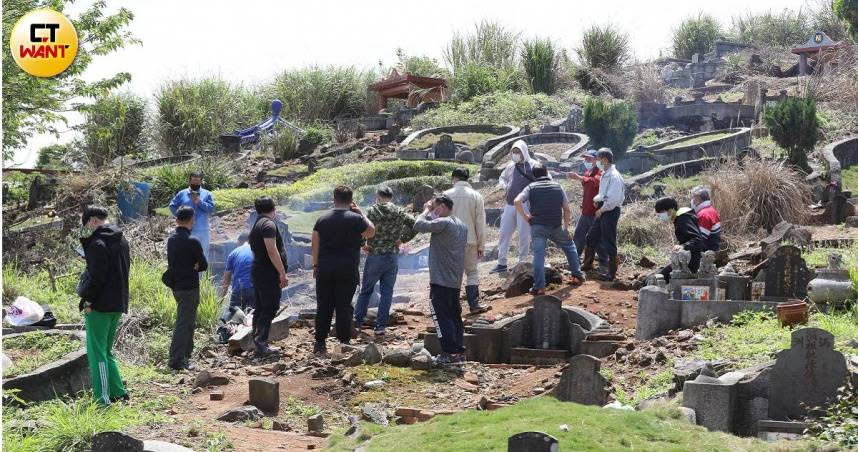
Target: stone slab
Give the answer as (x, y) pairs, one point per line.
(264, 393)
(66, 376)
(582, 383)
(532, 442)
(657, 313)
(713, 402)
(242, 340)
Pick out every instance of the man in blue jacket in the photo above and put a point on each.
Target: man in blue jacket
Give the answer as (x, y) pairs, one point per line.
(201, 201)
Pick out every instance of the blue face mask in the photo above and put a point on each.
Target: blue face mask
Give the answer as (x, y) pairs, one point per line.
(588, 165)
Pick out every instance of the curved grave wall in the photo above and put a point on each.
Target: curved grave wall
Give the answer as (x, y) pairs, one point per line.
(491, 160)
(839, 155)
(172, 160)
(405, 152)
(739, 139)
(65, 376)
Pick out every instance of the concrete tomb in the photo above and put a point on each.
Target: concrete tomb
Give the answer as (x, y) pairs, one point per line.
(787, 274)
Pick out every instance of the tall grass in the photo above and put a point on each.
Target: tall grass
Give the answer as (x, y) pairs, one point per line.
(166, 180)
(489, 44)
(321, 93)
(604, 47)
(695, 35)
(496, 108)
(193, 113)
(540, 60)
(785, 28)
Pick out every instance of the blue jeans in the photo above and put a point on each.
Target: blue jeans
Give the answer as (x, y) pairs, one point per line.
(539, 236)
(243, 298)
(585, 222)
(378, 268)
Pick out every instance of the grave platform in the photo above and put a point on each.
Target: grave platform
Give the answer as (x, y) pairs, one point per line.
(538, 357)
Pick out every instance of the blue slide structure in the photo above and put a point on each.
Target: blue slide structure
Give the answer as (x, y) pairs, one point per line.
(233, 142)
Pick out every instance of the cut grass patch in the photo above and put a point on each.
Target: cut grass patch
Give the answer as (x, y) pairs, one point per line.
(697, 140)
(471, 140)
(589, 428)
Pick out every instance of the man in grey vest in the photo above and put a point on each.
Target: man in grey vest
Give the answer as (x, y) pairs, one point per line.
(549, 219)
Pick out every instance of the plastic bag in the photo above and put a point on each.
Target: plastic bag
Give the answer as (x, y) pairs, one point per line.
(24, 311)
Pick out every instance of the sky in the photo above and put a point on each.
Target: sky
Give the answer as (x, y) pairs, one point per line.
(252, 40)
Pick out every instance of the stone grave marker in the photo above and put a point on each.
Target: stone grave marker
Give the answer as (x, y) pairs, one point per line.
(582, 383)
(445, 149)
(806, 376)
(424, 194)
(532, 442)
(545, 329)
(787, 274)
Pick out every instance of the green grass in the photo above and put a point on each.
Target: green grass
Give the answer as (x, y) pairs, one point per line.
(37, 287)
(471, 140)
(767, 147)
(354, 175)
(678, 187)
(698, 140)
(287, 170)
(510, 108)
(33, 350)
(589, 428)
(849, 179)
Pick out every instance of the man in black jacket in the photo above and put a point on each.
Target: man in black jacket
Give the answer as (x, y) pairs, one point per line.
(686, 229)
(185, 258)
(268, 272)
(104, 298)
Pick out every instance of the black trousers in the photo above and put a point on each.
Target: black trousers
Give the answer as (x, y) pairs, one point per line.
(693, 265)
(335, 289)
(603, 233)
(448, 318)
(182, 343)
(267, 303)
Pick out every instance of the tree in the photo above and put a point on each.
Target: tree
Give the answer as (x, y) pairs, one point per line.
(35, 105)
(611, 125)
(113, 127)
(422, 66)
(794, 126)
(847, 10)
(604, 47)
(695, 35)
(53, 156)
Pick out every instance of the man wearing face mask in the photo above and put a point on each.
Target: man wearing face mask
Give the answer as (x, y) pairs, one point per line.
(590, 184)
(603, 233)
(202, 202)
(686, 229)
(707, 218)
(517, 175)
(446, 265)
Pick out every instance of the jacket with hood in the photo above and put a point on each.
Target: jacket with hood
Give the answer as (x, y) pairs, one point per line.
(183, 251)
(688, 235)
(108, 260)
(516, 176)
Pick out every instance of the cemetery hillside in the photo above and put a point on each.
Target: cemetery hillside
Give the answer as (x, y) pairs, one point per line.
(517, 241)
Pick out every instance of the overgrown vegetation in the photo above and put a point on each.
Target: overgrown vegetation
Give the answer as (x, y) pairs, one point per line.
(784, 28)
(695, 35)
(793, 125)
(469, 139)
(839, 424)
(508, 108)
(847, 10)
(489, 44)
(540, 60)
(604, 47)
(321, 93)
(30, 351)
(610, 124)
(113, 127)
(166, 180)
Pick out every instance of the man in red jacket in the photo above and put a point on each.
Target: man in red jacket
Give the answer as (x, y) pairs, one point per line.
(707, 217)
(590, 183)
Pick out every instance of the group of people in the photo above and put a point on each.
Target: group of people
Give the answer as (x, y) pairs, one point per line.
(536, 206)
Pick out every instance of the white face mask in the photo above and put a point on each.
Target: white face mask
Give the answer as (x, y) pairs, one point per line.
(588, 165)
(600, 165)
(516, 158)
(693, 205)
(664, 216)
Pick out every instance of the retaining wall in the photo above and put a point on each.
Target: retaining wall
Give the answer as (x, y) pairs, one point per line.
(729, 145)
(504, 133)
(839, 155)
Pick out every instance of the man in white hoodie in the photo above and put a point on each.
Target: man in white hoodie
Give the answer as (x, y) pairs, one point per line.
(517, 175)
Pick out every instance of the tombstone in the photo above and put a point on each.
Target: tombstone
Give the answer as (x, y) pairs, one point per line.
(532, 442)
(787, 274)
(423, 195)
(115, 442)
(444, 149)
(582, 383)
(465, 156)
(544, 327)
(264, 393)
(806, 376)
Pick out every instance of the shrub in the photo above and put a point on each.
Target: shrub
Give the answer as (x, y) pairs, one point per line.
(193, 113)
(611, 125)
(540, 61)
(604, 47)
(166, 180)
(284, 144)
(757, 194)
(839, 424)
(321, 93)
(847, 10)
(784, 29)
(695, 35)
(317, 135)
(496, 108)
(113, 126)
(490, 44)
(794, 126)
(476, 80)
(54, 156)
(422, 66)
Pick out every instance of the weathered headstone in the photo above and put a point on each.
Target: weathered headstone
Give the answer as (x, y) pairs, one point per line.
(582, 383)
(532, 442)
(545, 326)
(265, 394)
(423, 195)
(806, 376)
(115, 442)
(787, 274)
(445, 149)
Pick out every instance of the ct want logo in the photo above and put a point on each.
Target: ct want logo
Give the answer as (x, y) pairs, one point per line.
(43, 43)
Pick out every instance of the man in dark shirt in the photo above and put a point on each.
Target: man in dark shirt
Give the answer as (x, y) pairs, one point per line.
(104, 297)
(185, 258)
(337, 239)
(686, 229)
(268, 272)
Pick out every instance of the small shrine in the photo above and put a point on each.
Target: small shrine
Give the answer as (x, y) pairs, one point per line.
(414, 89)
(818, 48)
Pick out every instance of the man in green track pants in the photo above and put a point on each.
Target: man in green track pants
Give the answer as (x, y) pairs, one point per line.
(104, 298)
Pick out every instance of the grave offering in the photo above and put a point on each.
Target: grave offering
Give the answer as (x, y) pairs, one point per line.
(582, 383)
(532, 442)
(832, 285)
(787, 274)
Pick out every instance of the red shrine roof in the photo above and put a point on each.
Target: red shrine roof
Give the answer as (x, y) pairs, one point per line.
(403, 80)
(818, 42)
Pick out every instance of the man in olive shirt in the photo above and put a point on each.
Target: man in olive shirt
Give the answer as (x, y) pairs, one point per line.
(337, 239)
(268, 272)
